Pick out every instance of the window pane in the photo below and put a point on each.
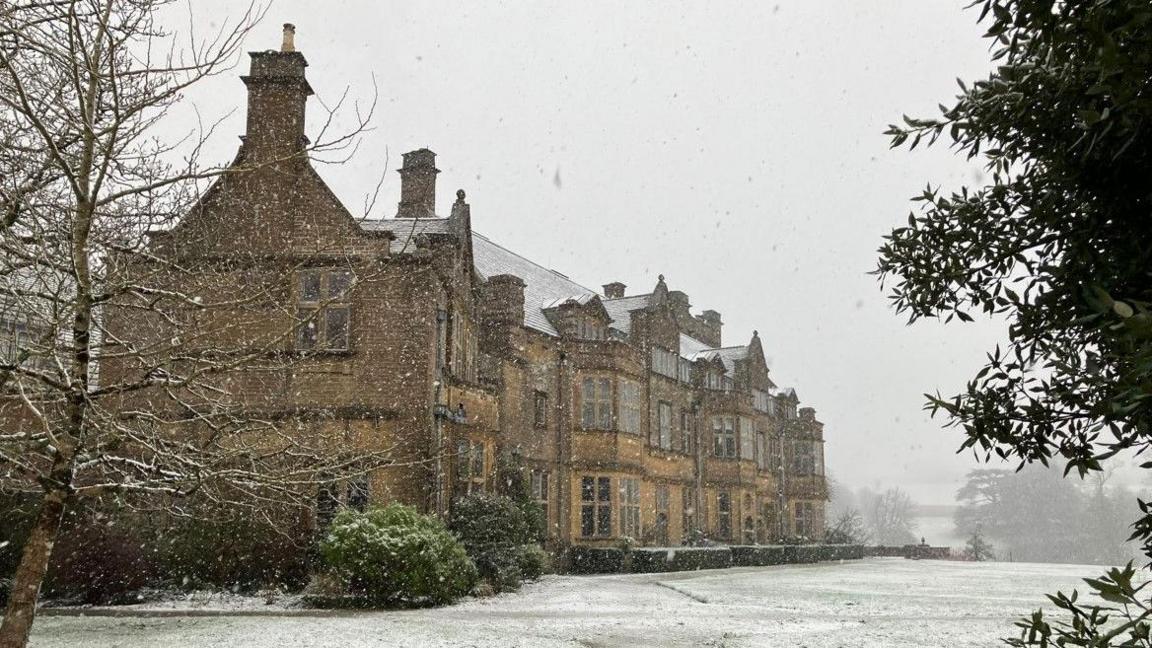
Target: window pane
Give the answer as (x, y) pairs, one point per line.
(587, 489)
(478, 460)
(462, 459)
(338, 283)
(588, 403)
(310, 286)
(587, 520)
(604, 489)
(604, 520)
(336, 327)
(306, 328)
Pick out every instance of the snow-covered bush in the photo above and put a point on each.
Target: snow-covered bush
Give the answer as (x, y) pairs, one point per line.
(395, 556)
(493, 530)
(534, 562)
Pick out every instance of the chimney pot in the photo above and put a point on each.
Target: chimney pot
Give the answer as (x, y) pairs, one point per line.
(289, 42)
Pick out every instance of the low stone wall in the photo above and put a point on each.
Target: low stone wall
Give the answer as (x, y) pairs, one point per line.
(912, 551)
(641, 560)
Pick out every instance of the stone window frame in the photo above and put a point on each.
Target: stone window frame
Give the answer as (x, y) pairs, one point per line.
(724, 444)
(596, 404)
(761, 401)
(540, 408)
(724, 515)
(316, 308)
(804, 516)
(664, 362)
(687, 510)
(586, 327)
(596, 506)
(747, 440)
(629, 406)
(538, 488)
(807, 457)
(630, 520)
(471, 466)
(663, 430)
(688, 422)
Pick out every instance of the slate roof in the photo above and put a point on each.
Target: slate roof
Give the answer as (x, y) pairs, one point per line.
(406, 230)
(543, 287)
(727, 355)
(619, 309)
(690, 346)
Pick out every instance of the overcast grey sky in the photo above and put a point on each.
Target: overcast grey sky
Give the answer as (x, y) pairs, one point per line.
(735, 147)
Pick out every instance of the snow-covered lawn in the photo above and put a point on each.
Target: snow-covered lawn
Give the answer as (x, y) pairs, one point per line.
(872, 603)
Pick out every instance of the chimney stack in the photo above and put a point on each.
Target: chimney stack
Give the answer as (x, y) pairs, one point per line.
(709, 327)
(418, 185)
(614, 290)
(277, 94)
(289, 42)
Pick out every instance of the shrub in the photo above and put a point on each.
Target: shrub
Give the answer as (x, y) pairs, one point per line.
(99, 559)
(534, 562)
(235, 550)
(395, 556)
(493, 528)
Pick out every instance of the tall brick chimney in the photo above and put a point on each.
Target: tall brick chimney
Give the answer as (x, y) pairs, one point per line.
(277, 94)
(418, 185)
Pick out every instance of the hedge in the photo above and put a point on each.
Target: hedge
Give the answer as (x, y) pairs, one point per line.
(608, 560)
(667, 559)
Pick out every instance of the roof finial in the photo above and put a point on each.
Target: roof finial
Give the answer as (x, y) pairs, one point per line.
(660, 277)
(289, 42)
(755, 333)
(459, 195)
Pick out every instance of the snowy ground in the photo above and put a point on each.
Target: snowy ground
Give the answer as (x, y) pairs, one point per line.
(880, 602)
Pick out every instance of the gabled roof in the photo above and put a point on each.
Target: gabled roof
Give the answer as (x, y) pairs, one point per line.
(620, 310)
(727, 355)
(787, 392)
(542, 287)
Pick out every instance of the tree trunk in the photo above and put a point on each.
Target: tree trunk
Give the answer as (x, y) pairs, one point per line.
(30, 574)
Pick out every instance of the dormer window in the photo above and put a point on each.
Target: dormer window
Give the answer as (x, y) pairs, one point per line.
(322, 312)
(587, 328)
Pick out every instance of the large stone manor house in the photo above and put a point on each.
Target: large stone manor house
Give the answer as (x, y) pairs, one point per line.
(627, 415)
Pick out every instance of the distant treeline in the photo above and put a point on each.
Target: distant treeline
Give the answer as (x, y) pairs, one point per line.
(1036, 516)
(1029, 516)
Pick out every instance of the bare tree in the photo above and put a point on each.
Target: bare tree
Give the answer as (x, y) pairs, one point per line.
(122, 364)
(890, 518)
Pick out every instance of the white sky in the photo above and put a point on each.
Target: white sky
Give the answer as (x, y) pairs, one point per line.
(735, 147)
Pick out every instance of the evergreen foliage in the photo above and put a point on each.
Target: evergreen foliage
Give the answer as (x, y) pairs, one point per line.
(394, 556)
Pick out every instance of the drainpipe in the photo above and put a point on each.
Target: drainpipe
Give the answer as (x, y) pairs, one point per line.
(563, 456)
(782, 501)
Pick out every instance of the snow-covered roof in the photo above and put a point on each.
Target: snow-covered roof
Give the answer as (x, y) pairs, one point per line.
(620, 310)
(542, 286)
(727, 355)
(783, 391)
(581, 299)
(406, 230)
(690, 346)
